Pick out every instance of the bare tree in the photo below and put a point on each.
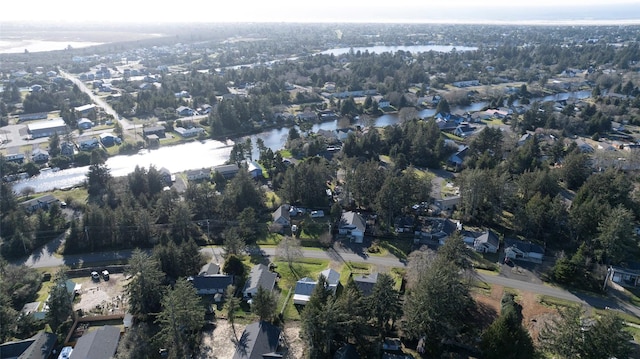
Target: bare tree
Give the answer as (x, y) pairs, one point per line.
(289, 250)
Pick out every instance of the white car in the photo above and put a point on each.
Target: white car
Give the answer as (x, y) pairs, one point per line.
(95, 276)
(317, 214)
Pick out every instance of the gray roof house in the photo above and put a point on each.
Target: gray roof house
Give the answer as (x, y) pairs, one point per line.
(352, 224)
(260, 340)
(97, 344)
(37, 347)
(365, 282)
(488, 242)
(43, 202)
(209, 269)
(515, 249)
(227, 171)
(304, 288)
(332, 277)
(211, 284)
(281, 216)
(260, 276)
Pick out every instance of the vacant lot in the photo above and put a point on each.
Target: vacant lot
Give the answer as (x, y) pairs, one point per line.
(101, 297)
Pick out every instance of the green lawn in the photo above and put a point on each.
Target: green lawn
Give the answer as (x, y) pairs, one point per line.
(494, 121)
(452, 136)
(303, 267)
(285, 154)
(555, 302)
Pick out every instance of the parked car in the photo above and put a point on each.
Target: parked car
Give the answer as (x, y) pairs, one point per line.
(95, 276)
(317, 214)
(105, 274)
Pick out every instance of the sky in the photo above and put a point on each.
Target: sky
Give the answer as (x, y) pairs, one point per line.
(137, 11)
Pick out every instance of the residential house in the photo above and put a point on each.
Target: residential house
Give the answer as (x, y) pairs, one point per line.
(628, 277)
(43, 202)
(185, 111)
(448, 203)
(515, 249)
(282, 216)
(307, 116)
(196, 175)
(67, 149)
(333, 279)
(153, 130)
(343, 133)
(352, 224)
(189, 132)
(209, 269)
(260, 340)
(205, 109)
(488, 242)
(89, 144)
(39, 155)
(33, 116)
(260, 276)
(214, 284)
(38, 346)
(15, 157)
(456, 160)
(524, 138)
(305, 286)
(304, 289)
(108, 139)
(84, 123)
(101, 343)
(436, 231)
(464, 130)
(365, 282)
(166, 176)
(227, 171)
(254, 168)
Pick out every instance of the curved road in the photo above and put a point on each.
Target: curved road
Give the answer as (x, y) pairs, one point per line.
(45, 258)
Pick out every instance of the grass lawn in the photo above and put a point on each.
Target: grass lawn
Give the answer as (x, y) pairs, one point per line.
(555, 302)
(486, 261)
(43, 293)
(74, 195)
(494, 121)
(272, 200)
(303, 267)
(174, 139)
(399, 247)
(285, 154)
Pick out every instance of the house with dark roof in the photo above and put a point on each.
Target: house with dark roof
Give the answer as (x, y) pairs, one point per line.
(37, 347)
(260, 340)
(154, 130)
(487, 242)
(628, 276)
(516, 249)
(259, 277)
(365, 282)
(101, 343)
(43, 202)
(215, 284)
(352, 224)
(227, 171)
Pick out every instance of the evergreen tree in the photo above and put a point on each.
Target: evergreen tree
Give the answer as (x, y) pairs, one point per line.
(180, 320)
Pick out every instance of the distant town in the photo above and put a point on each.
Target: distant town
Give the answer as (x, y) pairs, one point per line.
(324, 191)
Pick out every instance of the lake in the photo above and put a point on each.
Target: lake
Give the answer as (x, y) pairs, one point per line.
(411, 48)
(18, 46)
(194, 155)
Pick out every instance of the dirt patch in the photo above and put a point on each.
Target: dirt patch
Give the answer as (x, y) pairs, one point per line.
(101, 297)
(219, 342)
(535, 315)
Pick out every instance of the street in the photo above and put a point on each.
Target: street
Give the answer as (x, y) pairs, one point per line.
(45, 257)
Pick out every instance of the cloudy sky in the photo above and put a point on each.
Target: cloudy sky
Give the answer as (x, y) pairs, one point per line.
(317, 11)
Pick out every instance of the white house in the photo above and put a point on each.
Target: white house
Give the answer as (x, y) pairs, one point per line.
(352, 224)
(515, 249)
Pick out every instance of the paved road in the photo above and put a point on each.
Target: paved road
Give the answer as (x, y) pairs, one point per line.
(126, 124)
(45, 258)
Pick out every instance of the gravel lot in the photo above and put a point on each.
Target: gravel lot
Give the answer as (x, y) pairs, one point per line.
(107, 295)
